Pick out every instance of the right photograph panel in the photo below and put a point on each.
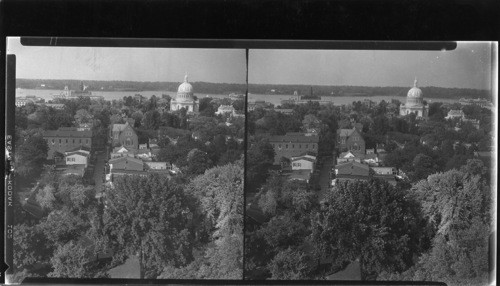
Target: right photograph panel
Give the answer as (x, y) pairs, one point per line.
(371, 165)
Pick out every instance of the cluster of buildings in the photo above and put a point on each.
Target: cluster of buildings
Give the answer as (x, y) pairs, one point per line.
(128, 157)
(478, 101)
(296, 152)
(458, 113)
(70, 148)
(355, 162)
(23, 100)
(75, 94)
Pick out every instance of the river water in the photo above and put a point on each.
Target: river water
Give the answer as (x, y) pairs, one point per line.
(274, 99)
(108, 95)
(340, 100)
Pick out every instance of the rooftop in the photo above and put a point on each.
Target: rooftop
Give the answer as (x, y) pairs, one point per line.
(352, 169)
(67, 132)
(294, 138)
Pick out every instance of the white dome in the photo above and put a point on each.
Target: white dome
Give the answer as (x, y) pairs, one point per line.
(415, 91)
(185, 91)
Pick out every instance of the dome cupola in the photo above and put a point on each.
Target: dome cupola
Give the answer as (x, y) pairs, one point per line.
(415, 95)
(415, 91)
(185, 90)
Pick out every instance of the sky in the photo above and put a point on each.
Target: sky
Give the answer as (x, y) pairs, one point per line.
(468, 66)
(128, 64)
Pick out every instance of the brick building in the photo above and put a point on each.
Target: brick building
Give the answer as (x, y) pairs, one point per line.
(65, 139)
(124, 135)
(292, 145)
(351, 140)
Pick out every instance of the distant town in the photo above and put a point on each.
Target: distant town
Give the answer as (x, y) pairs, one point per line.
(267, 89)
(369, 190)
(154, 186)
(129, 188)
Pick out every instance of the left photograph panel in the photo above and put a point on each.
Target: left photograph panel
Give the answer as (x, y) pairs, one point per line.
(128, 162)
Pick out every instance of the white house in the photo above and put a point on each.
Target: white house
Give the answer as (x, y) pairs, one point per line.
(77, 157)
(223, 109)
(348, 157)
(121, 152)
(454, 113)
(305, 162)
(158, 165)
(384, 170)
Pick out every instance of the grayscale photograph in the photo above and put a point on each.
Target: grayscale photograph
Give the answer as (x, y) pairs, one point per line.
(129, 162)
(371, 164)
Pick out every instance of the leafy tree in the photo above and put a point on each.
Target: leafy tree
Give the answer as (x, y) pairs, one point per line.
(453, 198)
(170, 120)
(137, 116)
(62, 226)
(260, 157)
(116, 119)
(423, 166)
(220, 192)
(458, 203)
(289, 264)
(30, 155)
(379, 226)
(151, 120)
(45, 197)
(435, 111)
(70, 261)
(198, 161)
(151, 218)
(83, 116)
(31, 246)
(239, 105)
(311, 121)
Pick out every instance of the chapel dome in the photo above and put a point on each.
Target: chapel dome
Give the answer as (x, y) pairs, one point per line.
(185, 91)
(415, 92)
(185, 87)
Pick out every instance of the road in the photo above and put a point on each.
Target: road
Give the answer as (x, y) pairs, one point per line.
(324, 177)
(99, 171)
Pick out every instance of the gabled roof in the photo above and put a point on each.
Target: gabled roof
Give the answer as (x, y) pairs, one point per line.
(294, 138)
(81, 148)
(121, 149)
(126, 158)
(347, 154)
(119, 127)
(303, 158)
(84, 154)
(308, 153)
(65, 132)
(352, 169)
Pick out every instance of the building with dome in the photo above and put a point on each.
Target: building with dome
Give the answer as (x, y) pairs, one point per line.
(184, 98)
(415, 103)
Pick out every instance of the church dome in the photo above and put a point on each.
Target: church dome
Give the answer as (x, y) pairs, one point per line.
(415, 92)
(185, 90)
(185, 87)
(415, 96)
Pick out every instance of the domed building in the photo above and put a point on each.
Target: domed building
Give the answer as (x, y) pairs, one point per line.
(415, 103)
(184, 98)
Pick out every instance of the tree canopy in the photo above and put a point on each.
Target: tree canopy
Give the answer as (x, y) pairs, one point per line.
(151, 218)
